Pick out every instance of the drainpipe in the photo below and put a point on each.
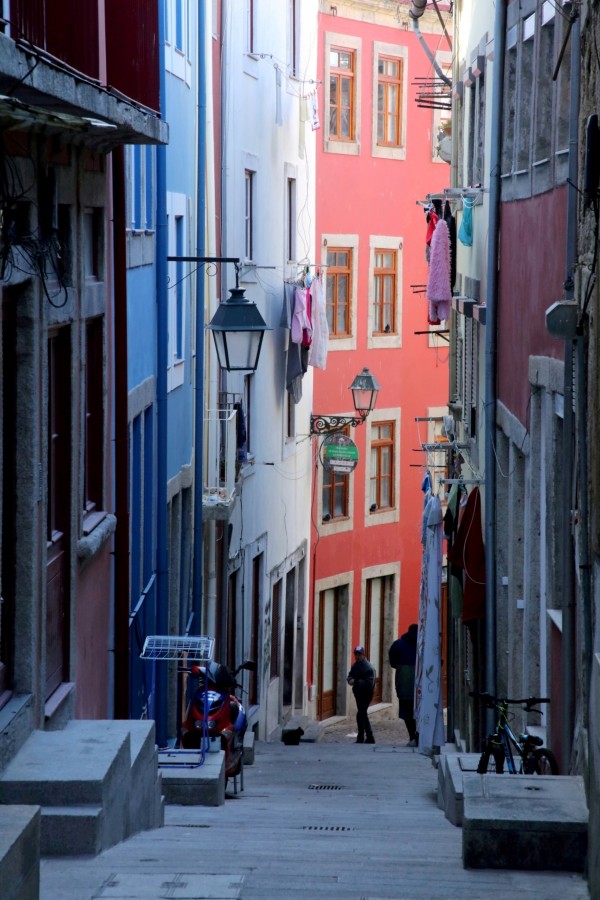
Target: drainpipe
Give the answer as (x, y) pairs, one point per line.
(568, 604)
(415, 12)
(162, 337)
(121, 546)
(199, 374)
(491, 335)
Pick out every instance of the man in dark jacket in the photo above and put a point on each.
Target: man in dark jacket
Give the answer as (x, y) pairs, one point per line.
(402, 656)
(362, 678)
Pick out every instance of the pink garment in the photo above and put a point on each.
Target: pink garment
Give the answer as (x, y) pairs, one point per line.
(307, 332)
(439, 291)
(300, 319)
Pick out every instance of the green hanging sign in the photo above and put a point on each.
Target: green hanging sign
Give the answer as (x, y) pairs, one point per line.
(339, 454)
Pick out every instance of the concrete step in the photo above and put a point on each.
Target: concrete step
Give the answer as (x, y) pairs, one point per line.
(145, 806)
(72, 830)
(101, 778)
(451, 769)
(20, 852)
(524, 822)
(187, 783)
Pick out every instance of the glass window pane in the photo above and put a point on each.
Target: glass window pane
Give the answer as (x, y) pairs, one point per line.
(385, 493)
(345, 60)
(385, 461)
(342, 289)
(338, 503)
(333, 90)
(326, 500)
(333, 121)
(388, 282)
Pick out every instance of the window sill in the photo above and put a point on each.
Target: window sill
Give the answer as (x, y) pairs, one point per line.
(349, 148)
(378, 151)
(91, 521)
(90, 544)
(247, 468)
(58, 698)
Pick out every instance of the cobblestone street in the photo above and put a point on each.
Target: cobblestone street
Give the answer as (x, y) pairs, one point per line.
(386, 731)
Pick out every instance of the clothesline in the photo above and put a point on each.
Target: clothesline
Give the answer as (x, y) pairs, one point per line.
(454, 194)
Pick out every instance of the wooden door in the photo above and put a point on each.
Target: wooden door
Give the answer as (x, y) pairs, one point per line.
(328, 661)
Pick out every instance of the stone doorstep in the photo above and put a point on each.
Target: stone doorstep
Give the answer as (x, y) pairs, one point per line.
(145, 807)
(72, 831)
(451, 769)
(195, 786)
(524, 822)
(54, 769)
(103, 765)
(20, 852)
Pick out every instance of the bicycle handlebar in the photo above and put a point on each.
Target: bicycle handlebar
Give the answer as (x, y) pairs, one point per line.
(492, 702)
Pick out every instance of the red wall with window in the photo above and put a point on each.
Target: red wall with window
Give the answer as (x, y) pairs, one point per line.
(369, 195)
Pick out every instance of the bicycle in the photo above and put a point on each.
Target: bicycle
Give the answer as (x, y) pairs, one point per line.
(523, 754)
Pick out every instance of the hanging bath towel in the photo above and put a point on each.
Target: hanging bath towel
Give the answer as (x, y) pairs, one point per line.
(465, 232)
(439, 292)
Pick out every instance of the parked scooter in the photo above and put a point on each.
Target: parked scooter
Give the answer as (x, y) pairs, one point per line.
(213, 711)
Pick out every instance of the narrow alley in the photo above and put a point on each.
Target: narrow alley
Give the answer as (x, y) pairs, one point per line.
(319, 820)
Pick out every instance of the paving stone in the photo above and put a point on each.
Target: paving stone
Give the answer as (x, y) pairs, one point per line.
(330, 819)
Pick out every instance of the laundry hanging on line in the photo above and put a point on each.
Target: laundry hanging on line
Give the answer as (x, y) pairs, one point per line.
(439, 291)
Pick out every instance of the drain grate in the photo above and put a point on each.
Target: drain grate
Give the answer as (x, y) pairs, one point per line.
(328, 828)
(325, 787)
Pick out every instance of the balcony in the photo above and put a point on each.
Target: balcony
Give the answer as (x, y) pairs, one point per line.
(221, 464)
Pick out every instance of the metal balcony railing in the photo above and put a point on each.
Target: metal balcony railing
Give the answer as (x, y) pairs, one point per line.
(220, 460)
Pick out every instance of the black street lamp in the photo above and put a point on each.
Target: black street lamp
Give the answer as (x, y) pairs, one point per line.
(365, 388)
(238, 330)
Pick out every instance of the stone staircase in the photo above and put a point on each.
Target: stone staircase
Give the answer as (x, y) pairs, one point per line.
(76, 791)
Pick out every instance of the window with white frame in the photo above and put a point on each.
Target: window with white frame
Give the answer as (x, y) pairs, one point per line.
(290, 219)
(476, 134)
(178, 44)
(389, 100)
(381, 474)
(385, 292)
(178, 289)
(142, 195)
(382, 483)
(442, 115)
(342, 93)
(339, 255)
(249, 215)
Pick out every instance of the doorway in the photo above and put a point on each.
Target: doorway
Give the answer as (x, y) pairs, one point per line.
(59, 493)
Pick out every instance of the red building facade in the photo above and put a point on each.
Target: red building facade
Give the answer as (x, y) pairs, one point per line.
(376, 159)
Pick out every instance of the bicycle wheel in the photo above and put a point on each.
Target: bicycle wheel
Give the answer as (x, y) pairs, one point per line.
(541, 762)
(491, 760)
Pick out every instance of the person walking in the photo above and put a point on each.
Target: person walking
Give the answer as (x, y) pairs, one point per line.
(362, 678)
(402, 655)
